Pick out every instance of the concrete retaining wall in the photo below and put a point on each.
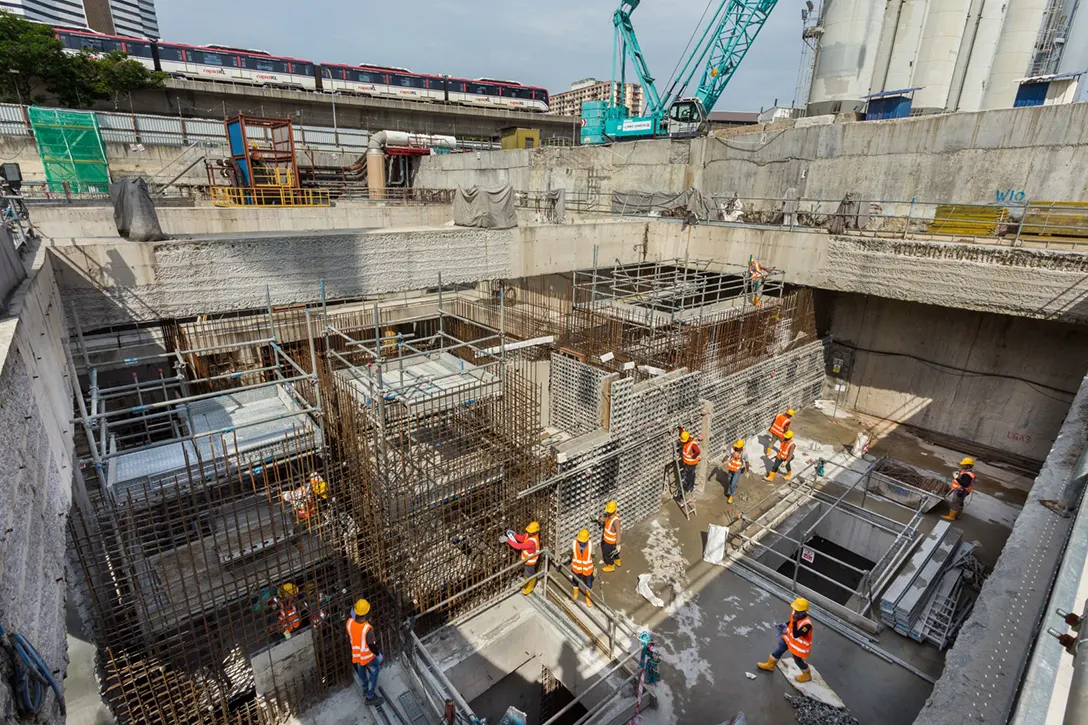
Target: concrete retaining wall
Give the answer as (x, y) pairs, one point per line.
(76, 222)
(36, 456)
(1010, 155)
(118, 282)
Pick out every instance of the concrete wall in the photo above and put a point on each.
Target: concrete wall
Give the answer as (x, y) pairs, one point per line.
(1001, 381)
(964, 157)
(36, 455)
(855, 534)
(117, 282)
(75, 222)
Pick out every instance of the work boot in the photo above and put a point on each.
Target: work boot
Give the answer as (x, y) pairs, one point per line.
(951, 516)
(769, 451)
(529, 587)
(574, 594)
(608, 567)
(617, 562)
(769, 476)
(788, 475)
(767, 666)
(729, 499)
(805, 676)
(589, 599)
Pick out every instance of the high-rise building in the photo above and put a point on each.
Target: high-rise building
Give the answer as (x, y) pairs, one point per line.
(54, 12)
(569, 103)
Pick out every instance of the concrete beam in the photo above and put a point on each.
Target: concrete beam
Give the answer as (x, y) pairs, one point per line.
(195, 98)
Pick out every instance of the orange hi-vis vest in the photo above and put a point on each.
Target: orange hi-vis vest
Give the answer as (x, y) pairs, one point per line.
(800, 646)
(610, 536)
(785, 450)
(528, 558)
(691, 452)
(780, 424)
(582, 563)
(735, 463)
(289, 620)
(357, 633)
(956, 481)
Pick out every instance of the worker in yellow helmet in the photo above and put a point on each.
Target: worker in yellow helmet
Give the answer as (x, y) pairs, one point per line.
(963, 484)
(690, 455)
(735, 465)
(610, 538)
(287, 618)
(529, 546)
(795, 636)
(779, 426)
(783, 456)
(366, 657)
(581, 564)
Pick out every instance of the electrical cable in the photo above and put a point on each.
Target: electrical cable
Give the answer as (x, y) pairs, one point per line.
(963, 372)
(31, 675)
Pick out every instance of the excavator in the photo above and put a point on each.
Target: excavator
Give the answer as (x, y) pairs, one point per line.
(707, 69)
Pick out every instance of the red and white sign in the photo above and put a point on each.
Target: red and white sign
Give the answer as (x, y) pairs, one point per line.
(583, 123)
(808, 555)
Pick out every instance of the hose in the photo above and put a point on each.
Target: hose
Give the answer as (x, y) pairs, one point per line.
(31, 675)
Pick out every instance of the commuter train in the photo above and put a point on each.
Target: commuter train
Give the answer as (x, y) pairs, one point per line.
(259, 68)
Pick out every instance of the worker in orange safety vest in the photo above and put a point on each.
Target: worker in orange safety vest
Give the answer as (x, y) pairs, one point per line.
(690, 455)
(581, 564)
(779, 426)
(783, 457)
(529, 546)
(610, 537)
(366, 657)
(962, 486)
(795, 636)
(287, 618)
(735, 465)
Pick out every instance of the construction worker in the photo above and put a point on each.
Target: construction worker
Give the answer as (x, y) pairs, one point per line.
(529, 546)
(796, 636)
(366, 657)
(287, 619)
(778, 429)
(581, 563)
(783, 456)
(735, 465)
(962, 486)
(304, 498)
(610, 537)
(690, 455)
(755, 275)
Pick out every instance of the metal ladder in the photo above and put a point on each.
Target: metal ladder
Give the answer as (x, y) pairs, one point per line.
(687, 502)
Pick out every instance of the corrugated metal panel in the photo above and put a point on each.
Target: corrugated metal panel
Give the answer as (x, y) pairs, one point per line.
(12, 121)
(198, 128)
(310, 136)
(159, 130)
(116, 128)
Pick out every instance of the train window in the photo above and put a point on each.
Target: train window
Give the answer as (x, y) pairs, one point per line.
(268, 65)
(303, 69)
(362, 77)
(517, 92)
(436, 84)
(407, 81)
(93, 44)
(483, 90)
(205, 58)
(170, 53)
(138, 50)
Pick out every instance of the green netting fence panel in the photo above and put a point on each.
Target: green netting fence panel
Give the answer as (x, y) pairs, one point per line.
(71, 149)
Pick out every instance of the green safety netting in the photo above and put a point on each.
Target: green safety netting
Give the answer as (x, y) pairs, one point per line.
(71, 149)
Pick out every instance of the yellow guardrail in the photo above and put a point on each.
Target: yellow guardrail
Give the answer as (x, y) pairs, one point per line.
(268, 196)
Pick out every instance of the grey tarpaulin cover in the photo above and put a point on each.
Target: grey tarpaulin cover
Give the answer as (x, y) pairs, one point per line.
(485, 208)
(691, 203)
(134, 212)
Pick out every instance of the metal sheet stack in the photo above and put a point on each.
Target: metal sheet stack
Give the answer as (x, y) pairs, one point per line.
(923, 601)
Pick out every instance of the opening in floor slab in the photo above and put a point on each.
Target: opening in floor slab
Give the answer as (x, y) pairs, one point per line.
(534, 690)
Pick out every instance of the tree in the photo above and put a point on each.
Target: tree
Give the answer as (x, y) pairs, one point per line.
(34, 67)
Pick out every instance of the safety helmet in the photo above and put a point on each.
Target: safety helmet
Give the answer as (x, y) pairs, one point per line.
(533, 527)
(583, 535)
(739, 445)
(789, 434)
(319, 487)
(800, 604)
(362, 607)
(967, 461)
(685, 436)
(790, 413)
(289, 590)
(610, 507)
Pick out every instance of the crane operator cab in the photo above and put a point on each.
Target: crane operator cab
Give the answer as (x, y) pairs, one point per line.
(686, 119)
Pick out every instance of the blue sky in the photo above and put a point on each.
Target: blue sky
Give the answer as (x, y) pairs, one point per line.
(549, 43)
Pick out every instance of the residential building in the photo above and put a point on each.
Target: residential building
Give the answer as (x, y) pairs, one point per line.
(569, 103)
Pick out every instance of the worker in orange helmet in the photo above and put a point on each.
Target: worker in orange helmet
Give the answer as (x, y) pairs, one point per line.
(795, 636)
(779, 426)
(783, 457)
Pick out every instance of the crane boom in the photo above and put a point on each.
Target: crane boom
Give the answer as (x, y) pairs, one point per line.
(721, 47)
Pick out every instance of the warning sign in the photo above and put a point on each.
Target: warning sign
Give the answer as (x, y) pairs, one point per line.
(584, 124)
(808, 555)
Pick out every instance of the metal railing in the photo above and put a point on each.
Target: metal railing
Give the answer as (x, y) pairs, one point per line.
(268, 196)
(1062, 224)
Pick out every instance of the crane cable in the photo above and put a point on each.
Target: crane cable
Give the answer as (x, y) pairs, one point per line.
(684, 52)
(31, 675)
